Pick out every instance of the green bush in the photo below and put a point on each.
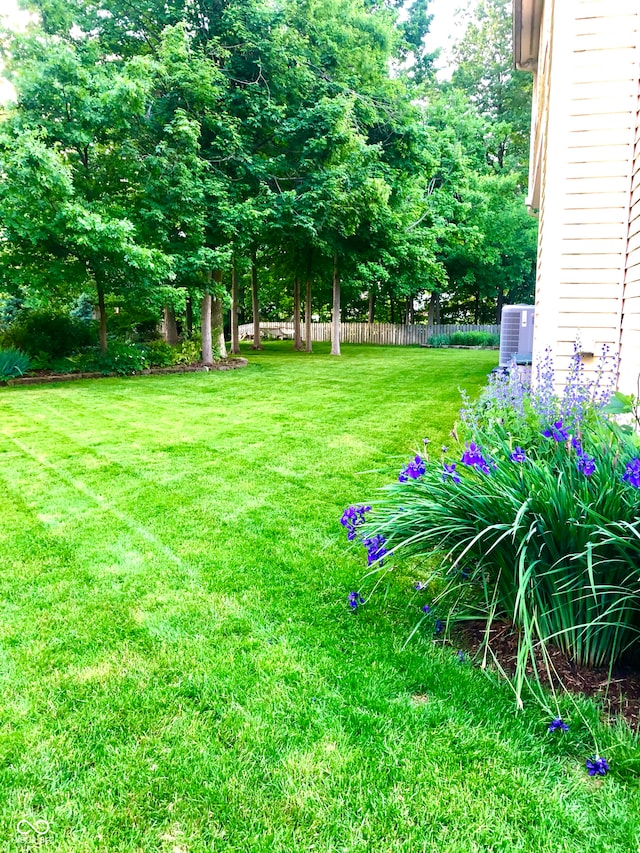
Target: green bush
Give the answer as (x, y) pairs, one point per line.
(535, 521)
(159, 353)
(80, 362)
(83, 308)
(439, 341)
(188, 352)
(48, 335)
(465, 339)
(40, 361)
(130, 321)
(474, 339)
(10, 307)
(122, 358)
(12, 363)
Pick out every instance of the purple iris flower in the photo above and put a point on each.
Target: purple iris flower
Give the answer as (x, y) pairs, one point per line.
(558, 724)
(474, 457)
(354, 600)
(450, 471)
(557, 432)
(413, 470)
(597, 766)
(586, 465)
(376, 550)
(518, 455)
(352, 518)
(632, 473)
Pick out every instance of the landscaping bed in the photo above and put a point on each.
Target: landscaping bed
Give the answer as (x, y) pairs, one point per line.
(45, 377)
(618, 691)
(531, 518)
(458, 346)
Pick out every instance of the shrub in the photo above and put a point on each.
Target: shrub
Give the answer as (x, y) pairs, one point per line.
(159, 353)
(40, 361)
(474, 339)
(465, 339)
(68, 364)
(52, 334)
(12, 363)
(128, 320)
(188, 352)
(536, 520)
(83, 308)
(121, 358)
(10, 307)
(439, 341)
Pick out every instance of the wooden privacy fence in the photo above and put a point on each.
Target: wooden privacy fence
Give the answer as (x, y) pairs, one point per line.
(366, 333)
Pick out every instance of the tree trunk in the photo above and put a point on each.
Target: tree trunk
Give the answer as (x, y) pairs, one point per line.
(499, 305)
(189, 316)
(391, 312)
(255, 305)
(335, 318)
(217, 327)
(235, 340)
(372, 304)
(170, 327)
(307, 306)
(407, 312)
(103, 316)
(437, 309)
(432, 307)
(297, 332)
(205, 329)
(476, 308)
(217, 320)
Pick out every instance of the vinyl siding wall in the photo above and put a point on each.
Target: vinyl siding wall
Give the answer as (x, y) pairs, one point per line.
(630, 333)
(585, 179)
(538, 181)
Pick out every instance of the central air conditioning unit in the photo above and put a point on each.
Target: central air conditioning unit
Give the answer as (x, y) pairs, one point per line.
(516, 334)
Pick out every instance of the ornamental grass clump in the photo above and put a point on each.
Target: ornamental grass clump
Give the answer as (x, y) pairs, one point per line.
(535, 518)
(13, 363)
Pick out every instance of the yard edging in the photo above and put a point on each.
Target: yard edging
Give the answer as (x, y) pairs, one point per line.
(226, 364)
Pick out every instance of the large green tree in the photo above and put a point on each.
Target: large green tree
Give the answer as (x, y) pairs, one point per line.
(484, 71)
(488, 105)
(69, 168)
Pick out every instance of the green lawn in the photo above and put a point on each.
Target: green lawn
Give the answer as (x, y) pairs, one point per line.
(179, 669)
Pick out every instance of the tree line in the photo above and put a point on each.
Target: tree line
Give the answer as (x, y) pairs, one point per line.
(283, 158)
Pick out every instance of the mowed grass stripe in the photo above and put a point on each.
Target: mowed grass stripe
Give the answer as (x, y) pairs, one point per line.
(229, 701)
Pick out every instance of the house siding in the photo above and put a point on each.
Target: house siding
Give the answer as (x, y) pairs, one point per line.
(630, 332)
(538, 167)
(585, 180)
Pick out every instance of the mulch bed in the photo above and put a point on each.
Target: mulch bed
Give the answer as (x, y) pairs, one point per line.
(44, 377)
(456, 346)
(619, 697)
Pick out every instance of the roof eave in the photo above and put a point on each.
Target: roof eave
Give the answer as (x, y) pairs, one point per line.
(527, 17)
